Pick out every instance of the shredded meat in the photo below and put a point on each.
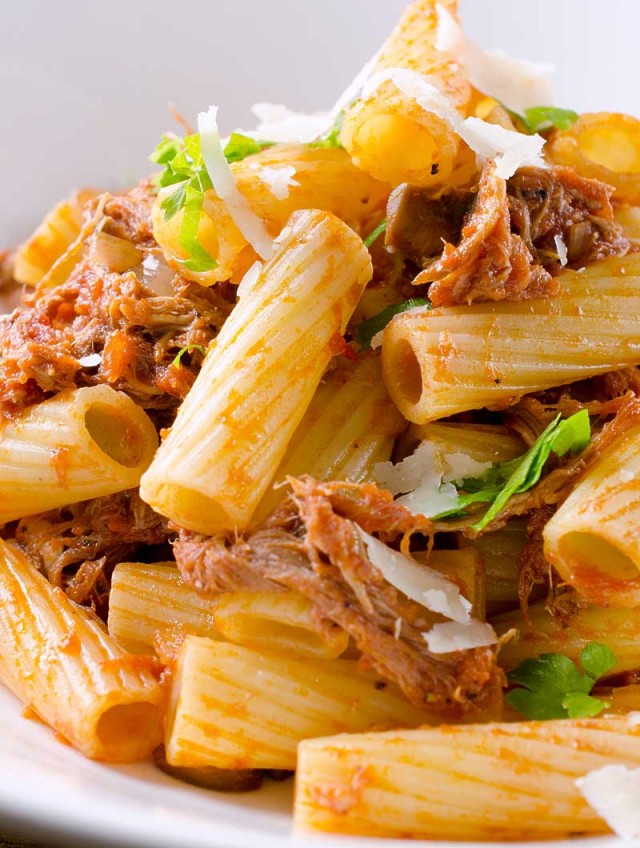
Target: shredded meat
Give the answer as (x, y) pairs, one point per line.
(77, 547)
(508, 248)
(559, 203)
(491, 262)
(312, 546)
(534, 569)
(136, 331)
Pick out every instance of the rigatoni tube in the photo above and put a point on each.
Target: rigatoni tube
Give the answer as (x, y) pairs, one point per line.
(452, 359)
(349, 426)
(389, 134)
(276, 182)
(256, 383)
(81, 444)
(474, 782)
(232, 707)
(148, 601)
(59, 660)
(593, 539)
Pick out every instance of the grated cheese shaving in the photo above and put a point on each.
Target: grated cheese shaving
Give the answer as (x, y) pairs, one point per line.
(424, 479)
(516, 83)
(277, 180)
(613, 791)
(90, 361)
(249, 280)
(451, 636)
(511, 150)
(250, 225)
(418, 582)
(277, 123)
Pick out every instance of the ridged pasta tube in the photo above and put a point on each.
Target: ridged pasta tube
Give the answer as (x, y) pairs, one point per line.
(603, 146)
(256, 383)
(80, 444)
(542, 633)
(57, 232)
(593, 539)
(232, 707)
(319, 178)
(456, 358)
(390, 135)
(147, 602)
(349, 426)
(59, 660)
(475, 782)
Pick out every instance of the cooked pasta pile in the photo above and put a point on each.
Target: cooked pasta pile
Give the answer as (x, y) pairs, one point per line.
(320, 452)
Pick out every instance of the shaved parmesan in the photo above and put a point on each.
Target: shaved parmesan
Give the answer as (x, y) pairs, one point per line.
(516, 83)
(424, 479)
(561, 247)
(277, 123)
(418, 582)
(277, 180)
(450, 636)
(249, 280)
(511, 150)
(354, 89)
(250, 225)
(633, 719)
(614, 793)
(92, 360)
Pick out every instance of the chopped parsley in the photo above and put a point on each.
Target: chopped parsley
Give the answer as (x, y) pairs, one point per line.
(185, 349)
(379, 230)
(372, 326)
(184, 168)
(552, 686)
(505, 479)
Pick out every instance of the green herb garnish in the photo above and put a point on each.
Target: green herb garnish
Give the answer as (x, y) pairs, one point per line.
(541, 118)
(240, 146)
(372, 326)
(381, 228)
(185, 349)
(505, 479)
(553, 687)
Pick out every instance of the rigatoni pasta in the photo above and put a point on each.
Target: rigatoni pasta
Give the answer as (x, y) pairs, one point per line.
(81, 444)
(453, 359)
(481, 782)
(223, 451)
(335, 424)
(59, 660)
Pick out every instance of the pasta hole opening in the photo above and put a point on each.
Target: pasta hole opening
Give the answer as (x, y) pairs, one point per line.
(126, 722)
(613, 148)
(593, 553)
(115, 434)
(408, 371)
(381, 134)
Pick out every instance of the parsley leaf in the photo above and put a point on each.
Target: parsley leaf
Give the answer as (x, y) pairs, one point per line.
(372, 326)
(240, 146)
(381, 228)
(553, 687)
(185, 349)
(332, 138)
(538, 119)
(505, 479)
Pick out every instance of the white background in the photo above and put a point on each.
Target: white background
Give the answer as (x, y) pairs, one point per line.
(84, 84)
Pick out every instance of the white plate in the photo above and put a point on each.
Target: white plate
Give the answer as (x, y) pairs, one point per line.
(48, 786)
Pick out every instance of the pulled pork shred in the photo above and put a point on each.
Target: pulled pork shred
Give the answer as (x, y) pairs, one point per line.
(508, 248)
(136, 331)
(77, 547)
(311, 545)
